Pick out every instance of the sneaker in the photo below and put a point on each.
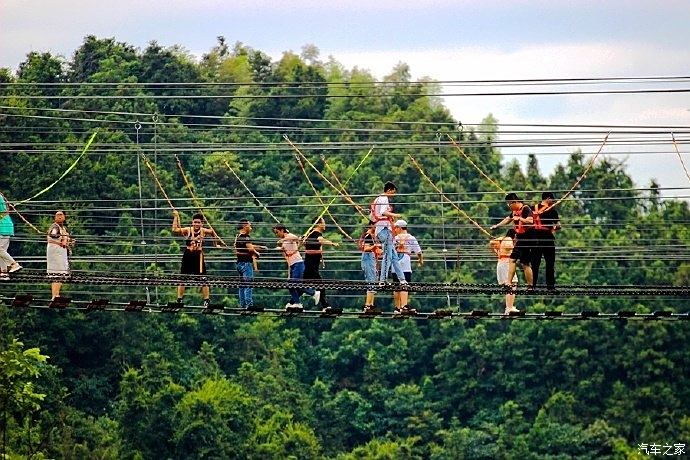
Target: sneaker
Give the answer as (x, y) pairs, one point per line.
(4, 276)
(207, 303)
(369, 309)
(15, 267)
(294, 307)
(403, 282)
(405, 310)
(508, 311)
(317, 297)
(179, 300)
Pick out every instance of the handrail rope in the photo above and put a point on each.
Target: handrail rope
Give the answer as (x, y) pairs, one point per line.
(65, 173)
(438, 190)
(104, 305)
(196, 201)
(250, 192)
(318, 197)
(343, 191)
(33, 276)
(480, 170)
(155, 178)
(581, 177)
(673, 138)
(12, 206)
(347, 181)
(324, 178)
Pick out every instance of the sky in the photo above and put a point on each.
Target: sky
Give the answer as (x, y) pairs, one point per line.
(443, 39)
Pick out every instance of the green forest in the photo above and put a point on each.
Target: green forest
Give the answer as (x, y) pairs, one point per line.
(108, 385)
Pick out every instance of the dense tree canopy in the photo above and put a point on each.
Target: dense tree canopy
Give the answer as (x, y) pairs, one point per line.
(178, 386)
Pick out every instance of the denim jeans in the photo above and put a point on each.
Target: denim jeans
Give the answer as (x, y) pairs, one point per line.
(296, 273)
(246, 271)
(390, 256)
(369, 269)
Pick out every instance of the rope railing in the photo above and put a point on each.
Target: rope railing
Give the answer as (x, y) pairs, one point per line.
(142, 306)
(113, 279)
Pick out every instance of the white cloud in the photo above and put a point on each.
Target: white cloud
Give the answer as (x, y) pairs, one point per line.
(556, 61)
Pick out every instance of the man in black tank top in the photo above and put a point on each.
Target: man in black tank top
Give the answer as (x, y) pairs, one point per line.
(193, 260)
(313, 257)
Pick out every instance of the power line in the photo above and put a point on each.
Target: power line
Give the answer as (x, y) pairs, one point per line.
(290, 96)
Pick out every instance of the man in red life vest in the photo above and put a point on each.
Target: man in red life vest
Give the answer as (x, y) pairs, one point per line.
(546, 223)
(522, 219)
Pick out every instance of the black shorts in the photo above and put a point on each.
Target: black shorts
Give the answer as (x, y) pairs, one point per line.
(522, 251)
(408, 277)
(193, 263)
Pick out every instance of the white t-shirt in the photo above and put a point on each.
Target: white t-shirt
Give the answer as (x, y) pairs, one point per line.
(411, 246)
(381, 205)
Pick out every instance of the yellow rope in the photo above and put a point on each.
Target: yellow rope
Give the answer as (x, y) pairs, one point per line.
(673, 138)
(464, 214)
(67, 171)
(462, 152)
(196, 201)
(582, 176)
(325, 179)
(347, 181)
(250, 192)
(155, 178)
(359, 209)
(318, 196)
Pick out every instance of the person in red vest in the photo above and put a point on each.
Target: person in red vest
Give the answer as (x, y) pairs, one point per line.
(521, 217)
(381, 213)
(546, 224)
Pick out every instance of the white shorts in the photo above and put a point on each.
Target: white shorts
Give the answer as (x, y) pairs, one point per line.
(58, 263)
(502, 273)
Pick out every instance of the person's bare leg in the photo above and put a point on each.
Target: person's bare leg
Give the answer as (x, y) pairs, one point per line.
(512, 266)
(205, 292)
(396, 299)
(404, 296)
(510, 301)
(370, 299)
(55, 289)
(180, 291)
(528, 276)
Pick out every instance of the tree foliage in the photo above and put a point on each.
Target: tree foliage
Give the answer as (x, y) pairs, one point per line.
(183, 386)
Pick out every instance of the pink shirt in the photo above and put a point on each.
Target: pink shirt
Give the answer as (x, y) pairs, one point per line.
(290, 247)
